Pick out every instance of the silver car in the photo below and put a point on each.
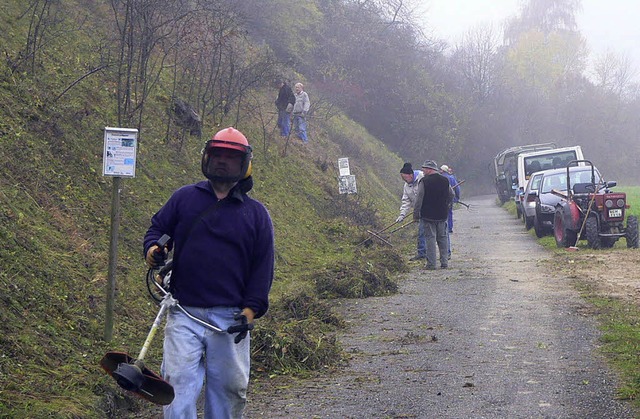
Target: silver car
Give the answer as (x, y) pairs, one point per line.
(529, 202)
(546, 201)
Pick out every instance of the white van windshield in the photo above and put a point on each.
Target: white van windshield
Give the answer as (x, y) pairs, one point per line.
(548, 161)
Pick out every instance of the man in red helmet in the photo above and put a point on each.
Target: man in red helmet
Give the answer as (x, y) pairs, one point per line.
(223, 266)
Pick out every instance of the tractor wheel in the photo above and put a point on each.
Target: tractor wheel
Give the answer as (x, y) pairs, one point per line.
(564, 237)
(518, 211)
(528, 222)
(632, 232)
(538, 227)
(593, 238)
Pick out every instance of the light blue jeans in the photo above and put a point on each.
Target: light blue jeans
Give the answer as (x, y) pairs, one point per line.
(300, 126)
(450, 220)
(194, 354)
(422, 241)
(436, 233)
(284, 122)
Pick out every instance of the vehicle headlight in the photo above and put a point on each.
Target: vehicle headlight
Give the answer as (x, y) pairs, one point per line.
(608, 203)
(620, 203)
(546, 208)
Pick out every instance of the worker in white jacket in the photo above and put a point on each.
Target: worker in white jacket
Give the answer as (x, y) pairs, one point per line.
(409, 192)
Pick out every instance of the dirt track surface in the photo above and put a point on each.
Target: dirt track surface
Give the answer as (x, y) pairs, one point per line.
(494, 336)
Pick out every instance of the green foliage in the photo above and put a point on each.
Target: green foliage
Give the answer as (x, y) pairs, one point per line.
(633, 198)
(540, 61)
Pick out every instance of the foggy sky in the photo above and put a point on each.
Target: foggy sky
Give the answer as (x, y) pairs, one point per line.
(607, 25)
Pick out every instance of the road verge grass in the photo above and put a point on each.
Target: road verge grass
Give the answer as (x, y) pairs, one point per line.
(619, 322)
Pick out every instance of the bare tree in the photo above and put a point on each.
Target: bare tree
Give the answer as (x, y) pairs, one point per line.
(614, 73)
(46, 25)
(144, 28)
(476, 58)
(545, 16)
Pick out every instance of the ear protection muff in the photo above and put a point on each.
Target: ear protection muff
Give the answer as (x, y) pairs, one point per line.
(249, 170)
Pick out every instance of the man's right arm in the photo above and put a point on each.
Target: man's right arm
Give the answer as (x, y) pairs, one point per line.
(405, 206)
(162, 222)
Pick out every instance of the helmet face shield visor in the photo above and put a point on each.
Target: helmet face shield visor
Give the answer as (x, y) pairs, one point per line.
(224, 161)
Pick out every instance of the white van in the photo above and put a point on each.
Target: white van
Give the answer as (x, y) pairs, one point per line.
(536, 161)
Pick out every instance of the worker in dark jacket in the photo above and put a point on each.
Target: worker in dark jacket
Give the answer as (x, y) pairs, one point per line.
(284, 104)
(432, 210)
(223, 266)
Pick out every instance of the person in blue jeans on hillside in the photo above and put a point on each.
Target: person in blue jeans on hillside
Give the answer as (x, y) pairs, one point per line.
(284, 104)
(223, 268)
(411, 180)
(300, 110)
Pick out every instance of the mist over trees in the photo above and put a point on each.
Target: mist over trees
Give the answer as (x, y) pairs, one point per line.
(525, 83)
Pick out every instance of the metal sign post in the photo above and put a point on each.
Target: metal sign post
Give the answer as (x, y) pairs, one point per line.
(119, 160)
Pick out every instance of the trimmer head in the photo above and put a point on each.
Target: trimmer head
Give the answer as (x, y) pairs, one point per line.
(135, 377)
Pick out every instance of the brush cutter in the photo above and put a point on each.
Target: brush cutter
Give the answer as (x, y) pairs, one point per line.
(131, 374)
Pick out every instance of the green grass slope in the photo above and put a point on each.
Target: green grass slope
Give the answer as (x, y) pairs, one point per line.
(55, 228)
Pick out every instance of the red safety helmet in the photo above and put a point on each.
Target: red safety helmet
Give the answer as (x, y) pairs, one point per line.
(233, 139)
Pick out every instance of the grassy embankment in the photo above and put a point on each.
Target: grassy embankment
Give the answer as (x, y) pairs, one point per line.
(55, 224)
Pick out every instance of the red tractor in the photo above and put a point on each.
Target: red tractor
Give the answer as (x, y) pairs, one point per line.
(590, 210)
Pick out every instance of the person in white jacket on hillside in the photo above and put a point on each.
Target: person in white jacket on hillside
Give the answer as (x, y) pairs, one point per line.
(300, 109)
(409, 192)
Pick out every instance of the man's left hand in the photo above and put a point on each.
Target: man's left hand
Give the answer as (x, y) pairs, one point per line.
(246, 323)
(249, 314)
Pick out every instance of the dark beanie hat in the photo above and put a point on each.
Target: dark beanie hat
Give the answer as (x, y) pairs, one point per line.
(407, 169)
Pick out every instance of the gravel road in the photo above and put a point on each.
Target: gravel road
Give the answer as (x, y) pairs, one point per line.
(493, 336)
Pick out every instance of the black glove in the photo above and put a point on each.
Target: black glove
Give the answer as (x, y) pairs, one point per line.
(159, 256)
(241, 329)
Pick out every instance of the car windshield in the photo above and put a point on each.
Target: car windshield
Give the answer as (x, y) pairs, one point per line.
(535, 182)
(558, 181)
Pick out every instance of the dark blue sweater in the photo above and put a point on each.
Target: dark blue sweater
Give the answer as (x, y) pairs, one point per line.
(228, 258)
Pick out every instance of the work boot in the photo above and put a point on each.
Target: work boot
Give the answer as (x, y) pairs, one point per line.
(417, 257)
